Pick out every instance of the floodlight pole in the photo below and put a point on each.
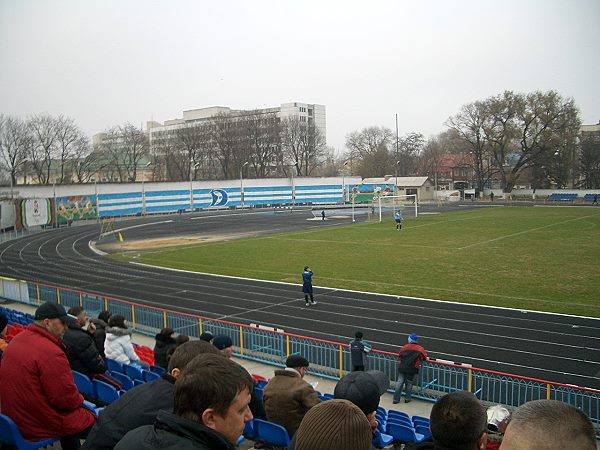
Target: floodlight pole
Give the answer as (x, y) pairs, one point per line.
(242, 183)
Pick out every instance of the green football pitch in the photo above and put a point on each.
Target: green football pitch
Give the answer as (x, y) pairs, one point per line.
(542, 258)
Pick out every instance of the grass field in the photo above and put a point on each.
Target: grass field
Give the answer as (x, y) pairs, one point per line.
(531, 258)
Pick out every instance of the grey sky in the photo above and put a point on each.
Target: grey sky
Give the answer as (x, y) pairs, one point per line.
(107, 62)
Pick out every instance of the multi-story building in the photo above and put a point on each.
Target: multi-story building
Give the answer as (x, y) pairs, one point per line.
(190, 131)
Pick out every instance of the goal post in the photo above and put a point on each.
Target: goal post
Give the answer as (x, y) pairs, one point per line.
(388, 205)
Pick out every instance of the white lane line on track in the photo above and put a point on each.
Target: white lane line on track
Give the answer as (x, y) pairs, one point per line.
(140, 226)
(524, 311)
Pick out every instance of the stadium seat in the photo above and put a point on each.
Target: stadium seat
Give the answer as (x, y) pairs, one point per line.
(260, 384)
(393, 412)
(249, 430)
(150, 376)
(382, 440)
(425, 431)
(137, 382)
(157, 369)
(400, 420)
(83, 383)
(404, 434)
(114, 366)
(271, 433)
(259, 377)
(133, 372)
(125, 382)
(105, 392)
(10, 435)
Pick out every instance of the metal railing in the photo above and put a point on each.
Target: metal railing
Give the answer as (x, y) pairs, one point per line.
(328, 359)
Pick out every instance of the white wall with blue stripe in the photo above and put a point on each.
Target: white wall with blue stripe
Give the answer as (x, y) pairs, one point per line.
(152, 198)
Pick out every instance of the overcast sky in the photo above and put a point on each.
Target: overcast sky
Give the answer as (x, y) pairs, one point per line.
(108, 62)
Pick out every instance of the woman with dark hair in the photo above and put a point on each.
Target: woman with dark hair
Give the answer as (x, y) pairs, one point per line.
(118, 345)
(165, 343)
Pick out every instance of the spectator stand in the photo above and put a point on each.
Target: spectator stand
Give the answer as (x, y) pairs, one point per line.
(328, 359)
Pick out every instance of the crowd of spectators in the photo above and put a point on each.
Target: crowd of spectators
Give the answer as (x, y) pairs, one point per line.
(204, 399)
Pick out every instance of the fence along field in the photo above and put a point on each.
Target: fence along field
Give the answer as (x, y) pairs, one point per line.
(538, 258)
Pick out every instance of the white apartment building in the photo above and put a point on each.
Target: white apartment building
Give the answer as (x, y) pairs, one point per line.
(306, 112)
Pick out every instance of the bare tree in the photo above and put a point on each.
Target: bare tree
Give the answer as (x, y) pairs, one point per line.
(43, 129)
(410, 147)
(590, 161)
(70, 141)
(468, 125)
(369, 140)
(15, 143)
(303, 145)
(261, 142)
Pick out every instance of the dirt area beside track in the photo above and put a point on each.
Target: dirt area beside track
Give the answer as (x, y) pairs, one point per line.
(166, 242)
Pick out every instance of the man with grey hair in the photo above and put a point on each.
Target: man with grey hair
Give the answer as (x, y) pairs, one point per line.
(549, 425)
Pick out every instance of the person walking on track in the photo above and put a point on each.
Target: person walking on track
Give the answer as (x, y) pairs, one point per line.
(307, 286)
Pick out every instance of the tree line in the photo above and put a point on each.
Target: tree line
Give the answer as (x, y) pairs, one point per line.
(54, 149)
(510, 137)
(504, 136)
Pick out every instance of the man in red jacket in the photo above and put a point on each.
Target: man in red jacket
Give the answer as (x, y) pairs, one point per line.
(410, 357)
(36, 384)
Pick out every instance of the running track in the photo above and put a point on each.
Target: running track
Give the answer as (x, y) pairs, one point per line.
(547, 346)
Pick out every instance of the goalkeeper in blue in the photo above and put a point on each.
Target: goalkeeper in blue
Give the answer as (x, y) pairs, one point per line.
(307, 286)
(398, 219)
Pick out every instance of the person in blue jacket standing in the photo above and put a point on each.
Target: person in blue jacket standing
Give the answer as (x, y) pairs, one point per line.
(307, 286)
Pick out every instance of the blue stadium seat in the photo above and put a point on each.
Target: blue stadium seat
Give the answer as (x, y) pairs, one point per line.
(150, 376)
(259, 393)
(393, 412)
(138, 382)
(105, 392)
(10, 435)
(400, 420)
(83, 383)
(114, 366)
(133, 372)
(382, 440)
(271, 433)
(425, 431)
(261, 384)
(404, 434)
(157, 369)
(125, 382)
(249, 430)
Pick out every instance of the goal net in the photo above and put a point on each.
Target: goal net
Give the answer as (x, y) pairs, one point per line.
(386, 206)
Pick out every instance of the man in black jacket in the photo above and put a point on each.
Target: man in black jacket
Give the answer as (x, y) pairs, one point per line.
(211, 408)
(83, 354)
(140, 405)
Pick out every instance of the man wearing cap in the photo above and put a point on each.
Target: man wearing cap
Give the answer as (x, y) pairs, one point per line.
(287, 397)
(224, 344)
(307, 286)
(37, 389)
(358, 352)
(364, 389)
(410, 357)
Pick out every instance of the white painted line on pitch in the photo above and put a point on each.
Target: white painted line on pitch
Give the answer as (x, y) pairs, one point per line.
(396, 297)
(521, 232)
